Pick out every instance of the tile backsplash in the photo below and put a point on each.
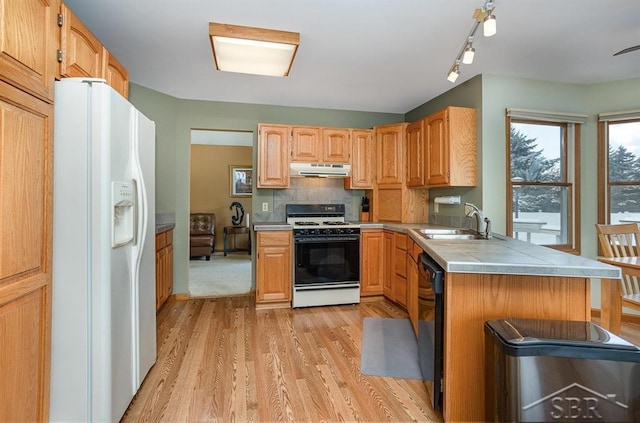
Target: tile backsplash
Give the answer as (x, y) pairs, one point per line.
(312, 191)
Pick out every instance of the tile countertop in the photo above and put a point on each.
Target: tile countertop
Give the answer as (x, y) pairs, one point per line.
(500, 255)
(164, 227)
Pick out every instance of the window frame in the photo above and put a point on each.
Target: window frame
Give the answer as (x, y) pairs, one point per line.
(604, 184)
(570, 150)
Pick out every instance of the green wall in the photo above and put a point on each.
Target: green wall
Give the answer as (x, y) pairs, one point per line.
(467, 94)
(489, 94)
(174, 120)
(498, 93)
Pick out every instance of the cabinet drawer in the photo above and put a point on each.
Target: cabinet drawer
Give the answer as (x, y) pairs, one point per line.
(414, 250)
(400, 240)
(400, 290)
(169, 236)
(161, 240)
(266, 239)
(400, 262)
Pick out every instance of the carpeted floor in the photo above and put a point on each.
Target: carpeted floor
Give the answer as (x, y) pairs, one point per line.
(389, 348)
(230, 275)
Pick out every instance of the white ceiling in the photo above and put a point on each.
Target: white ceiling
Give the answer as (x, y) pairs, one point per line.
(366, 55)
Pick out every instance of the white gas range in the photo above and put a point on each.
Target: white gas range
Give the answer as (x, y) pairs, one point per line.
(326, 255)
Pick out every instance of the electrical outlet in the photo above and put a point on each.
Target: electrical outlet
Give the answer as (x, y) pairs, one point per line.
(265, 206)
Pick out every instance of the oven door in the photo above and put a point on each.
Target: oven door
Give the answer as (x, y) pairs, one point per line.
(325, 261)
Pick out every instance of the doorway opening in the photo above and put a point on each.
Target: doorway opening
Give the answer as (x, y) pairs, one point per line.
(221, 189)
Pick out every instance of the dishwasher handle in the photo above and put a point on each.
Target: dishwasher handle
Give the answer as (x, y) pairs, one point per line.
(431, 271)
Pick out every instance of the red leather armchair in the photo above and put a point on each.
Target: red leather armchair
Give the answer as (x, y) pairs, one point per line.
(202, 235)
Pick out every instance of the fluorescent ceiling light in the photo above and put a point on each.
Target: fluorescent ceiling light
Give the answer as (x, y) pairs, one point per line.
(256, 51)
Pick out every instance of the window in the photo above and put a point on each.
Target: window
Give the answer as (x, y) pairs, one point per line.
(619, 167)
(542, 188)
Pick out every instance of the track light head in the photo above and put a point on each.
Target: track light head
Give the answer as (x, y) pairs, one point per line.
(469, 54)
(489, 25)
(454, 73)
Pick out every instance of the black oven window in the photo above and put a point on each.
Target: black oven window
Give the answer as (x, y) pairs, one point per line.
(330, 262)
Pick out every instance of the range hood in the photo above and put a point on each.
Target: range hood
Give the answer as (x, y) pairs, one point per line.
(325, 170)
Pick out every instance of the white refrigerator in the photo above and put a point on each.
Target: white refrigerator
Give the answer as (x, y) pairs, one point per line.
(104, 317)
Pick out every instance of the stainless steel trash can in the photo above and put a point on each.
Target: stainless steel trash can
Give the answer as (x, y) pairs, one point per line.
(558, 370)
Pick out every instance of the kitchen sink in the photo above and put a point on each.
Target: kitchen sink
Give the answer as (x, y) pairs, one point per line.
(450, 234)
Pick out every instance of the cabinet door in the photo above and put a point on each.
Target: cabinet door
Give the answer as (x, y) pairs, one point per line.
(372, 262)
(305, 144)
(389, 154)
(412, 291)
(416, 155)
(168, 277)
(389, 271)
(26, 147)
(116, 75)
(81, 50)
(438, 148)
(273, 156)
(28, 43)
(362, 163)
(335, 145)
(160, 270)
(273, 267)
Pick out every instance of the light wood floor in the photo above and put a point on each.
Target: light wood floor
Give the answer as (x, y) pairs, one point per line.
(220, 360)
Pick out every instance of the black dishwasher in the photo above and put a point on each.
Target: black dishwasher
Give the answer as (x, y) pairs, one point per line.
(430, 324)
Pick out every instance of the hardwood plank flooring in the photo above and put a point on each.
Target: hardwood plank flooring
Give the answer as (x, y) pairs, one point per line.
(221, 360)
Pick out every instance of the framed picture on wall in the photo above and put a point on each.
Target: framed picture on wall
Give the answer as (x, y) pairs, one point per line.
(241, 178)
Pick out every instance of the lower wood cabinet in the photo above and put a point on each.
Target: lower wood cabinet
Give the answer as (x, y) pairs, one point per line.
(400, 268)
(371, 262)
(388, 270)
(164, 267)
(394, 284)
(273, 268)
(412, 283)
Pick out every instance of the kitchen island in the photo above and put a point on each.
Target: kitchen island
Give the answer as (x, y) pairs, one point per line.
(495, 279)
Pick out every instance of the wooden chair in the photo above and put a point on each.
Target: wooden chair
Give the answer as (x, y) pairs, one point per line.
(622, 241)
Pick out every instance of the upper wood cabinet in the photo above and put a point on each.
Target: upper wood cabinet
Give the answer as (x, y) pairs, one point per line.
(28, 40)
(305, 144)
(452, 147)
(362, 160)
(273, 156)
(81, 51)
(116, 75)
(416, 155)
(83, 55)
(319, 145)
(390, 154)
(336, 146)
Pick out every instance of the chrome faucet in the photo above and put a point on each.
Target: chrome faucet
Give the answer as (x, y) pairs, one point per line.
(470, 210)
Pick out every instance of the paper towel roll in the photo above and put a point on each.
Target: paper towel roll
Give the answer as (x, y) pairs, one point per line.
(447, 200)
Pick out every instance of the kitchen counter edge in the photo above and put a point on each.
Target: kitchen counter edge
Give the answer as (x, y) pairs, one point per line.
(500, 255)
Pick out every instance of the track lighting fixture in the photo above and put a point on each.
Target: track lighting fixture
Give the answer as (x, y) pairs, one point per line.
(454, 73)
(489, 26)
(469, 52)
(482, 15)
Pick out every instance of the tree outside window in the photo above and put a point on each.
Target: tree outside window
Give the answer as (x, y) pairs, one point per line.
(621, 141)
(542, 182)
